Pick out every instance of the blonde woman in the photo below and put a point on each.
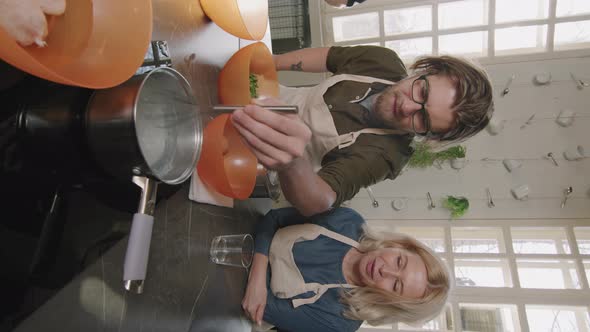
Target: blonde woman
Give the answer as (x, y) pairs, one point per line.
(329, 272)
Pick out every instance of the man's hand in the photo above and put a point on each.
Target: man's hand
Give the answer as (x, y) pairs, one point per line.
(277, 140)
(254, 300)
(25, 20)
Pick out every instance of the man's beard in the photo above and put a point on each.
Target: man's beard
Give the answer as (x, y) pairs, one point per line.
(382, 112)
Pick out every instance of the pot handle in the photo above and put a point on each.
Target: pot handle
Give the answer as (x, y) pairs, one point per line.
(138, 250)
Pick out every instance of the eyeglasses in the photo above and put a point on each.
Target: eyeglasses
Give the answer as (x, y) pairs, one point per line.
(420, 118)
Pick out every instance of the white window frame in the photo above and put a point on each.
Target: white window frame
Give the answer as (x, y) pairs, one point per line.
(515, 295)
(382, 5)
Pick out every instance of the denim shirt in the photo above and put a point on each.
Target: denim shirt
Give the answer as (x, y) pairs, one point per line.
(318, 260)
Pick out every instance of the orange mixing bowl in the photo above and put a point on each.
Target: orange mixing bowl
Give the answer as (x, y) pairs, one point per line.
(95, 44)
(234, 79)
(226, 163)
(247, 19)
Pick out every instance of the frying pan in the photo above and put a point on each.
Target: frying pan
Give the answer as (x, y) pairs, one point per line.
(147, 129)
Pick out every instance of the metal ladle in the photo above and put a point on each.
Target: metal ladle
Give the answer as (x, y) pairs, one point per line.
(490, 200)
(566, 193)
(507, 86)
(581, 84)
(430, 201)
(374, 201)
(550, 156)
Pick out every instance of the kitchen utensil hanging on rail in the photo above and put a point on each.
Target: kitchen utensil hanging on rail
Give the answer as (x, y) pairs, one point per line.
(147, 129)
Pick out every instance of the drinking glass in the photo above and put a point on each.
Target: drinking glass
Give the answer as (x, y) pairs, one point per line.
(232, 250)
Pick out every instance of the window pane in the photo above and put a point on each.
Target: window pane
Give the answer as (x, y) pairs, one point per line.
(570, 319)
(409, 49)
(470, 44)
(557, 274)
(444, 322)
(583, 238)
(510, 10)
(572, 7)
(433, 237)
(407, 20)
(354, 27)
(473, 12)
(539, 240)
(477, 240)
(482, 273)
(587, 269)
(572, 35)
(489, 317)
(517, 40)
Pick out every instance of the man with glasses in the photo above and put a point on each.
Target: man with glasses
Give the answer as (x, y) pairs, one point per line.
(356, 128)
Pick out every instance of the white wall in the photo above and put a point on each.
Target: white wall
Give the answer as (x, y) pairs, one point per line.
(529, 144)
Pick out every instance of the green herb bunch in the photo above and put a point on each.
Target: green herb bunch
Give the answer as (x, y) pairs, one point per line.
(424, 157)
(457, 205)
(253, 86)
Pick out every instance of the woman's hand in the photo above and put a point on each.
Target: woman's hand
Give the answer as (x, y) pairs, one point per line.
(25, 20)
(277, 140)
(254, 300)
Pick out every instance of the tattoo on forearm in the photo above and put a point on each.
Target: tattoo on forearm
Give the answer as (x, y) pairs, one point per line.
(297, 66)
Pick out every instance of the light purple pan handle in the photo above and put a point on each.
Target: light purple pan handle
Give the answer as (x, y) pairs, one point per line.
(138, 250)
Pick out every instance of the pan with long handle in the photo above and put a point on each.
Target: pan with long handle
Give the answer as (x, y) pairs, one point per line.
(147, 129)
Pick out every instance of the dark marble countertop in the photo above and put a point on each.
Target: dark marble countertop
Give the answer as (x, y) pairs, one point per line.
(184, 290)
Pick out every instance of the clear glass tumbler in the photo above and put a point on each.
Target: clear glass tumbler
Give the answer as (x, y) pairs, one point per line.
(233, 250)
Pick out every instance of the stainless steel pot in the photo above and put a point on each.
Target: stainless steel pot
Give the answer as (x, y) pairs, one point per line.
(147, 129)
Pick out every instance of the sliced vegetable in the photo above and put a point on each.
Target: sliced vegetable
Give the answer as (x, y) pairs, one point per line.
(253, 86)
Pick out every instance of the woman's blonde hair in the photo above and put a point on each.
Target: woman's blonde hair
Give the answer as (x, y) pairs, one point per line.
(378, 306)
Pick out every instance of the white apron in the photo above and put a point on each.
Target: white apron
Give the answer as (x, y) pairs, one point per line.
(286, 280)
(316, 114)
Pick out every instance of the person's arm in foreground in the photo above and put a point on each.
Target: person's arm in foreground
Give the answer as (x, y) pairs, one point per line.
(279, 141)
(259, 304)
(311, 60)
(255, 298)
(279, 312)
(26, 20)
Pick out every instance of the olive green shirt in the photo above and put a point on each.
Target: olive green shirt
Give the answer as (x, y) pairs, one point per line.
(372, 158)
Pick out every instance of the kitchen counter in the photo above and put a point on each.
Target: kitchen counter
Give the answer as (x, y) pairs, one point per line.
(184, 290)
